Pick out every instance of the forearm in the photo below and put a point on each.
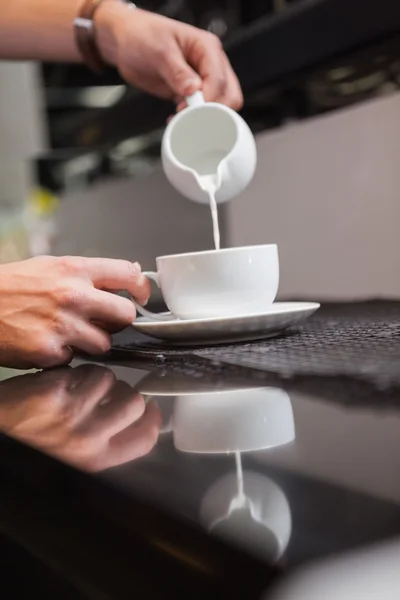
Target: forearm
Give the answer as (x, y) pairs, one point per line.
(38, 29)
(41, 30)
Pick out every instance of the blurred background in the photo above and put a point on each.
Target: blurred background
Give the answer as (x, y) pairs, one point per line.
(80, 170)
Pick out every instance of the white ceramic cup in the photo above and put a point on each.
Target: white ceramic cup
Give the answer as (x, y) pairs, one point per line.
(208, 143)
(217, 283)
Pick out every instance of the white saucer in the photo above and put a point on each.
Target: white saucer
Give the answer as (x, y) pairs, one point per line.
(273, 321)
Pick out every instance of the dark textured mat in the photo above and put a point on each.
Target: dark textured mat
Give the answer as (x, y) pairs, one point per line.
(350, 340)
(353, 339)
(347, 352)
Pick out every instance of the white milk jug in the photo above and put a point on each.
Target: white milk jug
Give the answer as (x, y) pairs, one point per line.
(208, 148)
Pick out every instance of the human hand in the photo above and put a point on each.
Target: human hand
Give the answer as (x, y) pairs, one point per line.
(83, 416)
(50, 306)
(165, 57)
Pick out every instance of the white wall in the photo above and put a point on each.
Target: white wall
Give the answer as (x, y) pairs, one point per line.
(22, 136)
(22, 129)
(328, 192)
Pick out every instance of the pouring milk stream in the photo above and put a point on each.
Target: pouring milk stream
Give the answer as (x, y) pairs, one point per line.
(208, 154)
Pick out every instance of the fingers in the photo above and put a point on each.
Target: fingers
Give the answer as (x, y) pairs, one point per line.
(83, 376)
(220, 83)
(89, 339)
(123, 407)
(181, 79)
(207, 60)
(85, 314)
(89, 386)
(136, 440)
(114, 312)
(114, 274)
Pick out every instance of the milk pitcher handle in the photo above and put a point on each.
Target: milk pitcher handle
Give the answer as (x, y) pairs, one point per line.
(196, 99)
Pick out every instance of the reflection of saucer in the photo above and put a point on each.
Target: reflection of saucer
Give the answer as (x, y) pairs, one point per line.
(274, 321)
(261, 521)
(172, 383)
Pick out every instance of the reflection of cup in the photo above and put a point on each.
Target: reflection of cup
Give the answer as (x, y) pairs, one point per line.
(244, 508)
(217, 283)
(242, 420)
(258, 520)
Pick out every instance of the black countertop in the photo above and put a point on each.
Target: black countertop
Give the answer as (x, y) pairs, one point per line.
(128, 477)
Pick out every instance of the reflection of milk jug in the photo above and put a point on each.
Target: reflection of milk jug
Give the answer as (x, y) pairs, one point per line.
(251, 510)
(208, 147)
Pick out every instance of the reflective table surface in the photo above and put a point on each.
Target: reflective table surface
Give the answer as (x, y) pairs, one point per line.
(190, 477)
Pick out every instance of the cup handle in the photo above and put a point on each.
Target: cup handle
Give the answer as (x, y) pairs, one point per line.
(196, 99)
(147, 313)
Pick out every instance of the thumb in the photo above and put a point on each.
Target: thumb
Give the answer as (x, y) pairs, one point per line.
(181, 79)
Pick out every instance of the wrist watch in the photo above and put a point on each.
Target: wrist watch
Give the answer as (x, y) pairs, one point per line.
(85, 34)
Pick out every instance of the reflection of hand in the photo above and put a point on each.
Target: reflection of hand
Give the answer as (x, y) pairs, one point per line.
(51, 305)
(83, 416)
(165, 57)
